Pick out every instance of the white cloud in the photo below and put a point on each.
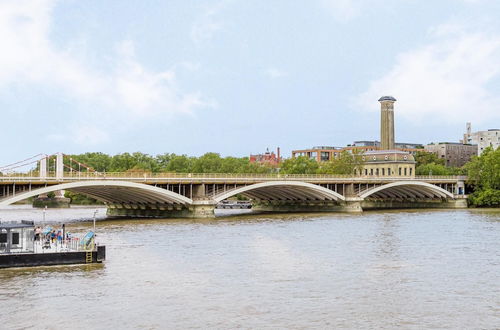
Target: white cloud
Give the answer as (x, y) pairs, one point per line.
(275, 73)
(448, 79)
(129, 89)
(205, 27)
(342, 10)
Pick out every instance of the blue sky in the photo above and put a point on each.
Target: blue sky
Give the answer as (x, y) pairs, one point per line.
(236, 77)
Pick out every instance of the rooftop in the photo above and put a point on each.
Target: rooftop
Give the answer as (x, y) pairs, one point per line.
(15, 224)
(326, 148)
(452, 143)
(387, 98)
(379, 152)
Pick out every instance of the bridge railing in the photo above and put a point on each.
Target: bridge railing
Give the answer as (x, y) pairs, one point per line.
(138, 176)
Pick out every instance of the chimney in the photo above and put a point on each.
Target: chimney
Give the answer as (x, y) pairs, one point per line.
(279, 157)
(387, 122)
(467, 133)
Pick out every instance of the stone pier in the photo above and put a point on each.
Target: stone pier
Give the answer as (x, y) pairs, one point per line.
(202, 210)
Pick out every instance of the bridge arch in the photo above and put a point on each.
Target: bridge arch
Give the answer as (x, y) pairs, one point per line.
(407, 189)
(283, 190)
(110, 192)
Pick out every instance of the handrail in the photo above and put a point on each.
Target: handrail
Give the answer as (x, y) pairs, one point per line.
(147, 176)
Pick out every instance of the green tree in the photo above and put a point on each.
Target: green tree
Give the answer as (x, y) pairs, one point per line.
(484, 174)
(180, 164)
(485, 197)
(210, 162)
(96, 160)
(424, 158)
(484, 171)
(299, 165)
(345, 163)
(432, 169)
(429, 163)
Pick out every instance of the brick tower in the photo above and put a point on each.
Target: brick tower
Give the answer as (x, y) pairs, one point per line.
(387, 122)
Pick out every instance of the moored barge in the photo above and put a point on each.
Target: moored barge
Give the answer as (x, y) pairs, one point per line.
(22, 246)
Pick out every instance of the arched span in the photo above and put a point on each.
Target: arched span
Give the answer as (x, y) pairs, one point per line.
(283, 190)
(407, 189)
(110, 192)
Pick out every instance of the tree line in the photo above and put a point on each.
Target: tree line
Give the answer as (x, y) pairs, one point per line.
(169, 162)
(210, 162)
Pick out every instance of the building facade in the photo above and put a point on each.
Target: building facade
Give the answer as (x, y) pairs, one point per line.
(453, 154)
(319, 154)
(388, 163)
(269, 158)
(483, 139)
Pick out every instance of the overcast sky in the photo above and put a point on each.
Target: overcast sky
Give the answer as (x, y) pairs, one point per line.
(236, 76)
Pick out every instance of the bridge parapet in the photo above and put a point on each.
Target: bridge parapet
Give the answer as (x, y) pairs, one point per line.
(152, 178)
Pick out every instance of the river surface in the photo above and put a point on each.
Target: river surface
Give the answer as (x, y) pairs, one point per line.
(426, 269)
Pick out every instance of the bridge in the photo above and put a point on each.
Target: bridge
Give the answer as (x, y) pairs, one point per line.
(197, 195)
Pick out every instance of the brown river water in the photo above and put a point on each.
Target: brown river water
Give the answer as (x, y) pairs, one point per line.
(425, 269)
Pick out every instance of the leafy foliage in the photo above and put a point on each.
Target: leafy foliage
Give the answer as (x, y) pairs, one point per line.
(429, 164)
(487, 197)
(299, 165)
(346, 163)
(424, 158)
(484, 173)
(140, 162)
(80, 199)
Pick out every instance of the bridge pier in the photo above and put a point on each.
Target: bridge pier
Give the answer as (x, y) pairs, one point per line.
(351, 206)
(458, 203)
(161, 211)
(296, 206)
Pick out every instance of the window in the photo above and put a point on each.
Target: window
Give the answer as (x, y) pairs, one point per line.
(376, 172)
(3, 237)
(366, 171)
(400, 171)
(371, 171)
(15, 238)
(405, 171)
(411, 171)
(388, 171)
(383, 170)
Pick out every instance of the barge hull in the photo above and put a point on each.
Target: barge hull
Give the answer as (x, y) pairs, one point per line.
(51, 259)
